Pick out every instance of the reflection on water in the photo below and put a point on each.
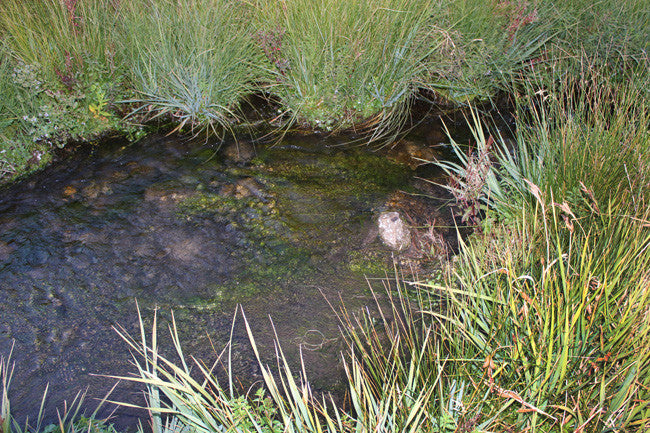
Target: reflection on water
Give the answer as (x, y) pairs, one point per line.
(169, 223)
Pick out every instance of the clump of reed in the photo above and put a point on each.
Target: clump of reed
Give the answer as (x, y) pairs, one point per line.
(612, 33)
(192, 61)
(549, 301)
(390, 389)
(553, 330)
(339, 64)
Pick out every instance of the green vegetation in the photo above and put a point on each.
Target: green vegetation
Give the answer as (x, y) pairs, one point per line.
(75, 69)
(340, 64)
(549, 301)
(193, 60)
(541, 321)
(368, 264)
(59, 77)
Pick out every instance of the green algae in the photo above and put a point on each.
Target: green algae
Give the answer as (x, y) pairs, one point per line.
(357, 166)
(315, 197)
(206, 202)
(368, 263)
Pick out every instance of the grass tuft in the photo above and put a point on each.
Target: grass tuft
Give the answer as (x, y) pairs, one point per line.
(191, 61)
(342, 64)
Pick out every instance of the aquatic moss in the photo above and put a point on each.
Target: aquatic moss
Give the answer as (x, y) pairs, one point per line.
(361, 167)
(210, 202)
(368, 263)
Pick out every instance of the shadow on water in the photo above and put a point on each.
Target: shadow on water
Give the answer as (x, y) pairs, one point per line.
(172, 224)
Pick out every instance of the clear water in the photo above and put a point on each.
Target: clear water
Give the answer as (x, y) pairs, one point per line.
(172, 225)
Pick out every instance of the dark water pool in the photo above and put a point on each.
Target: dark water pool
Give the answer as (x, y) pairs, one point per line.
(171, 224)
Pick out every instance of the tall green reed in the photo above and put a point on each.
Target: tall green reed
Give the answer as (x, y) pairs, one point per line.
(341, 64)
(192, 61)
(556, 323)
(393, 367)
(612, 32)
(584, 134)
(550, 300)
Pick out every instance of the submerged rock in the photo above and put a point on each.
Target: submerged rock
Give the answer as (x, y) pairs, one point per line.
(411, 154)
(5, 251)
(394, 231)
(239, 152)
(95, 189)
(250, 187)
(167, 193)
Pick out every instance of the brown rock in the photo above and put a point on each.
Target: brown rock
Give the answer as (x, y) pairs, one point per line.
(69, 191)
(249, 187)
(5, 251)
(239, 152)
(411, 154)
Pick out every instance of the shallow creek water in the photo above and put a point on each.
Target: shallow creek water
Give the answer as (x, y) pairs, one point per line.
(173, 225)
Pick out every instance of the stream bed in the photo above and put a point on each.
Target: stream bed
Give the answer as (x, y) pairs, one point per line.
(179, 226)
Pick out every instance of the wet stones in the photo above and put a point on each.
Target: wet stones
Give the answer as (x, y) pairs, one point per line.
(186, 250)
(167, 193)
(37, 257)
(247, 187)
(88, 192)
(411, 154)
(393, 231)
(5, 251)
(69, 192)
(95, 189)
(239, 152)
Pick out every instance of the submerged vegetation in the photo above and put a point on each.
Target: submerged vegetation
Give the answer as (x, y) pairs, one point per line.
(540, 323)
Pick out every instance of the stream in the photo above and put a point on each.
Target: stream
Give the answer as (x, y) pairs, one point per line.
(288, 232)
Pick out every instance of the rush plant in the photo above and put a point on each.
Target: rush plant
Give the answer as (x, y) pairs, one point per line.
(190, 61)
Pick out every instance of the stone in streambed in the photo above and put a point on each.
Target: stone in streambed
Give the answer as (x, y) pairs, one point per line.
(394, 231)
(240, 152)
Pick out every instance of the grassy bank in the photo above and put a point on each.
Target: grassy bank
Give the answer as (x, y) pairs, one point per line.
(551, 297)
(76, 69)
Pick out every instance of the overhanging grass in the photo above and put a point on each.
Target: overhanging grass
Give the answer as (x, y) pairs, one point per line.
(190, 60)
(333, 65)
(338, 64)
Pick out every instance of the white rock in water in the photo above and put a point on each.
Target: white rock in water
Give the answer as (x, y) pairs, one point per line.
(393, 231)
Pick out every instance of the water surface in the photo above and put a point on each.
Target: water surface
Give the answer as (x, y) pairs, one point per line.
(170, 223)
